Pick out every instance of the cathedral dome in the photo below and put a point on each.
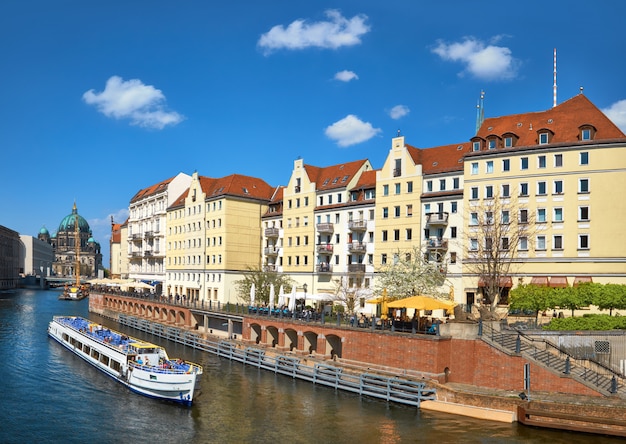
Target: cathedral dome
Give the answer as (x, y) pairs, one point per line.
(45, 231)
(67, 224)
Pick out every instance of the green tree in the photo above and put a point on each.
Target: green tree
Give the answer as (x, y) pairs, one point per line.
(572, 298)
(410, 274)
(531, 297)
(262, 280)
(608, 296)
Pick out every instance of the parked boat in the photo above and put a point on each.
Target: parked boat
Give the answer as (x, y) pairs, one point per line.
(74, 293)
(143, 367)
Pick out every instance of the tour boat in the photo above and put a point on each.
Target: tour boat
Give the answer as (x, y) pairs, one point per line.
(143, 367)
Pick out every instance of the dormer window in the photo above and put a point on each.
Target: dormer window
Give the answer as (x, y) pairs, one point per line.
(476, 146)
(544, 138)
(508, 142)
(585, 134)
(492, 144)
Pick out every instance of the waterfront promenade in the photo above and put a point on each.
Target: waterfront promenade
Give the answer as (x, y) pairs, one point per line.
(451, 365)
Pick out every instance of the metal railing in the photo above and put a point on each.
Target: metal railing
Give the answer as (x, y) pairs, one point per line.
(388, 388)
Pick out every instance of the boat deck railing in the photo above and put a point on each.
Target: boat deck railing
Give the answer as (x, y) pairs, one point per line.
(388, 388)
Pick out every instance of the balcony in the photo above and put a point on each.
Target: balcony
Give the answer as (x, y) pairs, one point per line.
(437, 243)
(271, 250)
(357, 225)
(437, 218)
(325, 228)
(270, 267)
(356, 268)
(272, 232)
(324, 248)
(147, 253)
(137, 237)
(135, 254)
(324, 268)
(149, 234)
(357, 247)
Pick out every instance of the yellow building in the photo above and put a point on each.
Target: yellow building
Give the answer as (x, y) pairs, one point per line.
(553, 178)
(214, 236)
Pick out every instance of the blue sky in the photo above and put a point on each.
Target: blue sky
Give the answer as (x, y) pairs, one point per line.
(101, 99)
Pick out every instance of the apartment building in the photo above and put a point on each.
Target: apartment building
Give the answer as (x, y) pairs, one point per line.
(214, 236)
(146, 229)
(554, 176)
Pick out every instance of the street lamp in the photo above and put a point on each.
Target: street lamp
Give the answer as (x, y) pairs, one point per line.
(305, 286)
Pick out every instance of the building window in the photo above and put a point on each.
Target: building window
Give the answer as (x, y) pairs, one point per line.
(456, 183)
(453, 257)
(453, 232)
(505, 217)
(504, 243)
(474, 193)
(492, 144)
(543, 138)
(583, 185)
(506, 190)
(541, 188)
(384, 235)
(524, 163)
(558, 160)
(508, 142)
(541, 162)
(409, 234)
(523, 216)
(383, 259)
(506, 164)
(453, 207)
(385, 190)
(489, 192)
(557, 215)
(442, 184)
(473, 219)
(409, 187)
(385, 212)
(474, 168)
(429, 186)
(397, 186)
(557, 242)
(584, 158)
(473, 244)
(583, 214)
(541, 215)
(476, 146)
(396, 235)
(409, 210)
(523, 189)
(396, 211)
(541, 243)
(489, 166)
(583, 241)
(523, 244)
(558, 187)
(585, 134)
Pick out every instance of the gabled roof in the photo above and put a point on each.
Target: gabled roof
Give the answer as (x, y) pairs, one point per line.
(444, 159)
(151, 190)
(335, 176)
(563, 121)
(366, 181)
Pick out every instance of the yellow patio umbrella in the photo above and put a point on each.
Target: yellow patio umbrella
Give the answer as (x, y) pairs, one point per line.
(423, 303)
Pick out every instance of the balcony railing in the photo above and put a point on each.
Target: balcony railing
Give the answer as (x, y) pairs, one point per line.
(437, 244)
(324, 248)
(271, 250)
(356, 268)
(147, 253)
(324, 268)
(270, 267)
(325, 228)
(135, 254)
(357, 247)
(272, 232)
(437, 218)
(149, 234)
(137, 237)
(357, 225)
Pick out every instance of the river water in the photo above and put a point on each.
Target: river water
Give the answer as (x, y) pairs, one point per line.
(50, 395)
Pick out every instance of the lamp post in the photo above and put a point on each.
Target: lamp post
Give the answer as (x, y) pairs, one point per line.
(305, 286)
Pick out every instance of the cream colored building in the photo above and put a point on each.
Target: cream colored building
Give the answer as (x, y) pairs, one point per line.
(146, 238)
(558, 174)
(214, 236)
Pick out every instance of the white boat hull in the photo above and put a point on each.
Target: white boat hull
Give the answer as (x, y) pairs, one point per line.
(154, 381)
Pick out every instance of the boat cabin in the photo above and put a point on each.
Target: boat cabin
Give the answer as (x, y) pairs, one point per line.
(145, 354)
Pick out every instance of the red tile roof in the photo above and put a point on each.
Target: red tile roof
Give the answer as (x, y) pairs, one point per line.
(335, 176)
(563, 121)
(154, 189)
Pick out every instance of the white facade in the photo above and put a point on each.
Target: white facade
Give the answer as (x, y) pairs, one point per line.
(37, 256)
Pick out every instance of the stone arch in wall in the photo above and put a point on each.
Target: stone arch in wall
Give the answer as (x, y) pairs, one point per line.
(271, 336)
(333, 346)
(310, 342)
(255, 333)
(291, 339)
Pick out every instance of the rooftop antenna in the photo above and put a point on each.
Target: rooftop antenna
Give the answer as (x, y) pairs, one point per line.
(554, 85)
(480, 111)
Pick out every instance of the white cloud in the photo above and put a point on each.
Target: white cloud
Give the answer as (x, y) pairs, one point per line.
(398, 111)
(346, 76)
(334, 33)
(617, 114)
(142, 104)
(351, 130)
(486, 62)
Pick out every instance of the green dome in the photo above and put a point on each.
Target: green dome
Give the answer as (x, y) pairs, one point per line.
(44, 230)
(67, 224)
